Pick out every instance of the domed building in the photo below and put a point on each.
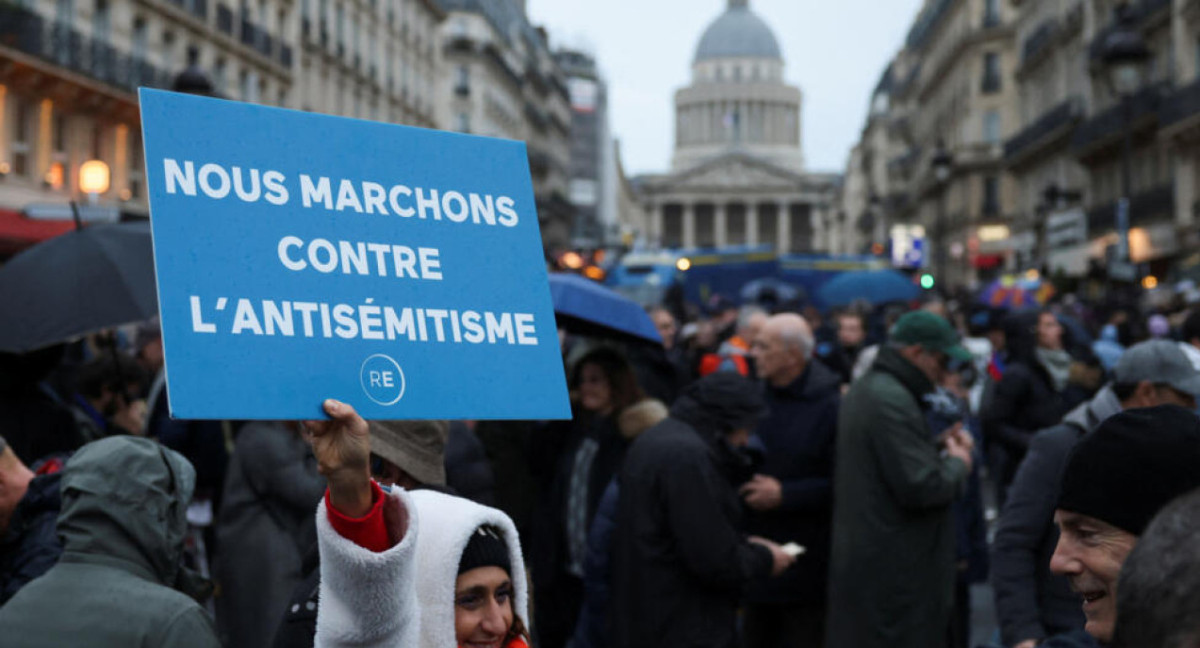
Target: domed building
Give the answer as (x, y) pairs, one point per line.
(737, 175)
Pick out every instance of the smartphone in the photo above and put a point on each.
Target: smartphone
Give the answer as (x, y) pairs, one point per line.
(794, 550)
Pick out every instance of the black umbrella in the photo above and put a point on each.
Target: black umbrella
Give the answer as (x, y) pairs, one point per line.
(77, 283)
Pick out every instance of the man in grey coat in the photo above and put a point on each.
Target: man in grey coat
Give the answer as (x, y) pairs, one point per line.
(1031, 602)
(123, 519)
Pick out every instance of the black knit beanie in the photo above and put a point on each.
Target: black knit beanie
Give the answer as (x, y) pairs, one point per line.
(486, 548)
(1131, 466)
(724, 400)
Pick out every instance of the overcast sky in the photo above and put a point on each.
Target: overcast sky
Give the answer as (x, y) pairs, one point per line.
(834, 50)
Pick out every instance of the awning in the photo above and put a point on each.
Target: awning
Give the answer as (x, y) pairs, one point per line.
(18, 232)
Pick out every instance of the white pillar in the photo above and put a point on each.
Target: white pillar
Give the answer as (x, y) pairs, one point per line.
(783, 228)
(655, 235)
(720, 239)
(689, 225)
(752, 222)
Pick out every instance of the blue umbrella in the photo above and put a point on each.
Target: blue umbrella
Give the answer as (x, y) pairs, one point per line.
(585, 307)
(770, 290)
(874, 286)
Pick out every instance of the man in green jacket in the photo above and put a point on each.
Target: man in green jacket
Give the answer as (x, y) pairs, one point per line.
(122, 523)
(892, 566)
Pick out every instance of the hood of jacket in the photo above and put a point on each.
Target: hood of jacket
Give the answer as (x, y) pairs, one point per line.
(124, 504)
(1088, 416)
(446, 525)
(641, 416)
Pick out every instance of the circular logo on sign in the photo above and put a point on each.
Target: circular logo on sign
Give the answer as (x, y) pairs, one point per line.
(382, 379)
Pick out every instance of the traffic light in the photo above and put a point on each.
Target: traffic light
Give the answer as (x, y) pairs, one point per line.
(927, 281)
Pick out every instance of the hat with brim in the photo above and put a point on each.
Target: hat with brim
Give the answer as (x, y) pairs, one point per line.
(416, 447)
(930, 331)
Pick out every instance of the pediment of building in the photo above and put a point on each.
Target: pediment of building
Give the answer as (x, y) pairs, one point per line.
(734, 172)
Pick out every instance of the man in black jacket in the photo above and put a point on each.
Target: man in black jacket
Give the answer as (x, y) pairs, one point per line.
(29, 505)
(679, 561)
(791, 500)
(1031, 602)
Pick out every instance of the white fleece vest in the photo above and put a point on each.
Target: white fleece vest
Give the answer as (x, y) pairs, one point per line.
(404, 597)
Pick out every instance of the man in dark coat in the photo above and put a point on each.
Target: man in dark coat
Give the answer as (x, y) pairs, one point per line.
(1031, 602)
(29, 507)
(892, 565)
(791, 498)
(1116, 480)
(119, 581)
(679, 563)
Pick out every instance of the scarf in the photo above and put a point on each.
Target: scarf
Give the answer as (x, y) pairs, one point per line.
(1057, 363)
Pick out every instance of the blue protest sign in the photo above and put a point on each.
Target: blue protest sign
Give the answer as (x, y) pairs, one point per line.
(303, 257)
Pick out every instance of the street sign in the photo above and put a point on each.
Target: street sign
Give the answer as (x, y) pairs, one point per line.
(302, 257)
(908, 246)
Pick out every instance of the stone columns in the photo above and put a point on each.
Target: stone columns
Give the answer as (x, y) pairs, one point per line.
(656, 223)
(752, 208)
(689, 224)
(720, 239)
(783, 228)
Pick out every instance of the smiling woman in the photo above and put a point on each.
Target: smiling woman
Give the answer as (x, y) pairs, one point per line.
(401, 568)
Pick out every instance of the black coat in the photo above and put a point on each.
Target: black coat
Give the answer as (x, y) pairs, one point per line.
(1032, 602)
(557, 593)
(679, 563)
(30, 546)
(800, 434)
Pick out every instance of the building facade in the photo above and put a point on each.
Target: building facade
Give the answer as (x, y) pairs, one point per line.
(70, 69)
(738, 174)
(1062, 127)
(593, 165)
(503, 81)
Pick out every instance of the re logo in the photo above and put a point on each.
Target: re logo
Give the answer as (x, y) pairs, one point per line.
(382, 379)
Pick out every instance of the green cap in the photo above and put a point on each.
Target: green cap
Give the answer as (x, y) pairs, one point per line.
(930, 331)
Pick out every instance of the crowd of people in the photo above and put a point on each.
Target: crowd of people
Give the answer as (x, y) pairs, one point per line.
(769, 476)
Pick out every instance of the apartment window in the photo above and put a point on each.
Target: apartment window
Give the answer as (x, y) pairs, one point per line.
(1196, 76)
(463, 123)
(991, 195)
(100, 22)
(20, 138)
(168, 51)
(355, 40)
(64, 11)
(991, 13)
(463, 84)
(249, 83)
(60, 134)
(97, 141)
(220, 75)
(339, 27)
(991, 72)
(135, 164)
(141, 39)
(991, 127)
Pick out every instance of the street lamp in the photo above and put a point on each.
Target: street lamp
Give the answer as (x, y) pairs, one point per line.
(943, 165)
(93, 179)
(1125, 55)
